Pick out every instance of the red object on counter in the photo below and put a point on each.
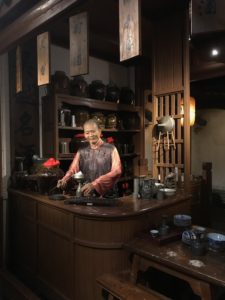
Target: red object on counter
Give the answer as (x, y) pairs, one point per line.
(51, 162)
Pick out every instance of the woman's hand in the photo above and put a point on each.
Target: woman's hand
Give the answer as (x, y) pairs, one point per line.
(61, 184)
(87, 189)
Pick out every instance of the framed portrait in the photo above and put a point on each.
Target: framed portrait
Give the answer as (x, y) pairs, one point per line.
(79, 56)
(129, 29)
(18, 69)
(43, 58)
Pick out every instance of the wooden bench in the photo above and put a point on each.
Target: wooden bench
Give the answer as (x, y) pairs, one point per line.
(119, 286)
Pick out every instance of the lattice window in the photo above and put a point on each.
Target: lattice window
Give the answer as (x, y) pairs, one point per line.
(166, 159)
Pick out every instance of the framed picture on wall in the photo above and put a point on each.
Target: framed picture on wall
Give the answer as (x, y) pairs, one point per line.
(79, 56)
(129, 29)
(43, 57)
(18, 69)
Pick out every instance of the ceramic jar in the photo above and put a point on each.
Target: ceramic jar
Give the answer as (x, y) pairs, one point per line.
(97, 90)
(81, 117)
(100, 118)
(59, 83)
(79, 87)
(111, 121)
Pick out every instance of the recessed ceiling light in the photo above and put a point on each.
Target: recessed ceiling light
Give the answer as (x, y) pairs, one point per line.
(214, 52)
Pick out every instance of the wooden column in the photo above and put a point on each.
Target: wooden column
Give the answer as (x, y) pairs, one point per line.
(170, 85)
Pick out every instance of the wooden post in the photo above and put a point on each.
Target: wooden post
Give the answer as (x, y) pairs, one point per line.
(206, 191)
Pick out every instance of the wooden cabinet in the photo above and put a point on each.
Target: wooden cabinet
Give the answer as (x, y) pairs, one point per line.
(126, 135)
(60, 250)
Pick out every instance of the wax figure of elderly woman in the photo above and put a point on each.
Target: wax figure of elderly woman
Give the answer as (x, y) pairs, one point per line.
(98, 161)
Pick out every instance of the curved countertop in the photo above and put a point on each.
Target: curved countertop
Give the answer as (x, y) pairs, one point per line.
(127, 206)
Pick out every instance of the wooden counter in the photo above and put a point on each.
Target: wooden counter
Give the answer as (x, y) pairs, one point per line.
(60, 249)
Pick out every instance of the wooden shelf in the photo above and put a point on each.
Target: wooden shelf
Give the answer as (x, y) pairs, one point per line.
(96, 104)
(103, 130)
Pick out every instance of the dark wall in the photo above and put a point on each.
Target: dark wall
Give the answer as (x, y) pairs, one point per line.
(24, 116)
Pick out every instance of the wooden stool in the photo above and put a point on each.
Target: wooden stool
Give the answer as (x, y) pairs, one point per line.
(120, 287)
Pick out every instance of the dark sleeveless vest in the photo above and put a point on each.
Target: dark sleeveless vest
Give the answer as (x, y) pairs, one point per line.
(95, 162)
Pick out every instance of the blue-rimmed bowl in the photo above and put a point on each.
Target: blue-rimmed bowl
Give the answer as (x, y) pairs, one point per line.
(216, 241)
(182, 220)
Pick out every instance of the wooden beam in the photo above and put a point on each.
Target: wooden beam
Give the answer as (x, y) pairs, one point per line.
(186, 66)
(40, 14)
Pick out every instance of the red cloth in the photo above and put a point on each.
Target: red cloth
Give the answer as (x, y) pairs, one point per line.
(51, 162)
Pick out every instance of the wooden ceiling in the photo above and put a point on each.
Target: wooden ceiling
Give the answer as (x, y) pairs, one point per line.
(104, 37)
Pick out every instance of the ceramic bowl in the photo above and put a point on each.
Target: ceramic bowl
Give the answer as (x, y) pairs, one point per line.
(168, 192)
(159, 185)
(182, 220)
(216, 241)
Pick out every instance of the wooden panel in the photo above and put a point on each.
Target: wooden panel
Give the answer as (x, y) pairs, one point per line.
(26, 247)
(168, 58)
(79, 56)
(57, 220)
(129, 27)
(22, 224)
(26, 207)
(170, 83)
(24, 121)
(43, 58)
(112, 233)
(18, 69)
(92, 263)
(49, 127)
(55, 262)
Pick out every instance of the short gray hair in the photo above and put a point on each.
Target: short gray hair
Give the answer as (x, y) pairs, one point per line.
(91, 121)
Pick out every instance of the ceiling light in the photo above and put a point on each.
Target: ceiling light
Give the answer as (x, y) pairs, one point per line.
(214, 52)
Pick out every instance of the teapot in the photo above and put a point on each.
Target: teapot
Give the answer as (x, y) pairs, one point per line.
(147, 189)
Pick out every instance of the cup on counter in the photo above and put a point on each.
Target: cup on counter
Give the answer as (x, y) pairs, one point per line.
(154, 233)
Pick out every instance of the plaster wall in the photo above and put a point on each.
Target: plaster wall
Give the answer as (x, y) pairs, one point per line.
(98, 69)
(208, 145)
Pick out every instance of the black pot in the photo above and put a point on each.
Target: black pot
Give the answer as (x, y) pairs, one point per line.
(97, 90)
(112, 93)
(127, 96)
(79, 87)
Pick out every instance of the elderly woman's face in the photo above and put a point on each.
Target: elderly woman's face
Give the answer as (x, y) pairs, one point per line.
(92, 133)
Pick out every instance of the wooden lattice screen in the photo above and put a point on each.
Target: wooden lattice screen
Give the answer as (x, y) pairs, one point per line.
(165, 159)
